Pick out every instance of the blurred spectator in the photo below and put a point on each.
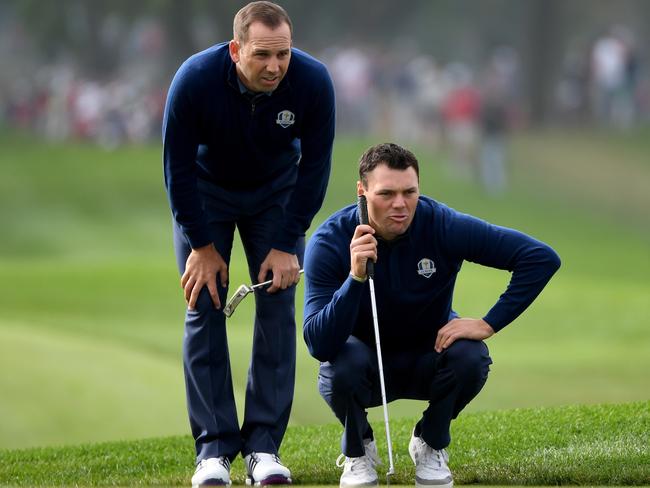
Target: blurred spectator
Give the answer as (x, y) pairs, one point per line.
(572, 89)
(428, 93)
(460, 111)
(614, 67)
(492, 158)
(351, 73)
(498, 104)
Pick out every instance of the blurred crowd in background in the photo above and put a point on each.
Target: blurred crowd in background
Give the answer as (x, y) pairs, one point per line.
(58, 100)
(401, 94)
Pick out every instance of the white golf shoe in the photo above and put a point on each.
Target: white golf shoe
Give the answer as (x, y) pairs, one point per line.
(212, 472)
(431, 469)
(360, 471)
(266, 469)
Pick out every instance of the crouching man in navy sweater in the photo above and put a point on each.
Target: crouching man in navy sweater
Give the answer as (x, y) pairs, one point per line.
(248, 134)
(429, 352)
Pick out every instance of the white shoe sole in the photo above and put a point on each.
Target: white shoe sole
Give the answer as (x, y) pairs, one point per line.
(434, 483)
(350, 485)
(274, 479)
(212, 483)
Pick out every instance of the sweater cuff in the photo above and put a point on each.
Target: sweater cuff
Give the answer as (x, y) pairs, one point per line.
(199, 238)
(494, 322)
(358, 278)
(353, 282)
(285, 243)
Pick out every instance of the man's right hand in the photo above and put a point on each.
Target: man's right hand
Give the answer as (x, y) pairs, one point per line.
(362, 247)
(201, 269)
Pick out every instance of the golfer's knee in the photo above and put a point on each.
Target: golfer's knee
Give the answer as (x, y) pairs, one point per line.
(469, 359)
(205, 303)
(202, 318)
(278, 307)
(346, 372)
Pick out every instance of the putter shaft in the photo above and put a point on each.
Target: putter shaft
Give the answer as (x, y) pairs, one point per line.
(266, 283)
(241, 293)
(382, 384)
(362, 206)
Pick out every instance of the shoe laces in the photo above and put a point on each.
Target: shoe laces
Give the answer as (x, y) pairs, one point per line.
(265, 456)
(431, 455)
(223, 460)
(357, 464)
(366, 462)
(372, 454)
(258, 457)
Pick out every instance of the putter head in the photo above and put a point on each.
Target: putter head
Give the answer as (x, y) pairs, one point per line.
(389, 473)
(239, 295)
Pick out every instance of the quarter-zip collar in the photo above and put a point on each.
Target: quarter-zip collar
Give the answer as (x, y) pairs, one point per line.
(250, 94)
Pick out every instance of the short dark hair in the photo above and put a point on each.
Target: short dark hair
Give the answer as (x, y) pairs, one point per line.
(268, 13)
(392, 155)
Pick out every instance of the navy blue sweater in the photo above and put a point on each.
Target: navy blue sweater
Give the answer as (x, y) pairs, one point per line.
(415, 276)
(257, 147)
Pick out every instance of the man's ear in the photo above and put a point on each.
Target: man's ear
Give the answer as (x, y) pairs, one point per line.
(233, 49)
(360, 189)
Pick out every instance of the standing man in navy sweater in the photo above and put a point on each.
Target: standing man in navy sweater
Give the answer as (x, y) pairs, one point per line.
(248, 133)
(429, 352)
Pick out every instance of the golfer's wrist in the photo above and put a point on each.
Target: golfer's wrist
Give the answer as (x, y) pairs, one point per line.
(358, 278)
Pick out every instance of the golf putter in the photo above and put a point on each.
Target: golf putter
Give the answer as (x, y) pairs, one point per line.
(362, 206)
(241, 293)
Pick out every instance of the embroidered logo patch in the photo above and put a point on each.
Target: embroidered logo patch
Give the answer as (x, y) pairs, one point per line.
(285, 119)
(426, 267)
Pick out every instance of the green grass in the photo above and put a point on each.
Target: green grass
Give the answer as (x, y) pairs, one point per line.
(574, 445)
(91, 311)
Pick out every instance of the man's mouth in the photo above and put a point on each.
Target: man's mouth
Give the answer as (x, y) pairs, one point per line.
(399, 218)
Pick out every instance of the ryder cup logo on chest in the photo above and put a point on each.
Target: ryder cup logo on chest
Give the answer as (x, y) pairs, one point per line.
(426, 267)
(285, 119)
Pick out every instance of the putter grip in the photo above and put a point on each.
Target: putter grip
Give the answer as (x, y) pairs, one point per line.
(362, 206)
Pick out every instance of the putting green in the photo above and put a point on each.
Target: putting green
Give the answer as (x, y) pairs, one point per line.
(109, 384)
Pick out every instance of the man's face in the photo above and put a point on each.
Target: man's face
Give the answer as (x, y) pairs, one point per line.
(262, 60)
(392, 197)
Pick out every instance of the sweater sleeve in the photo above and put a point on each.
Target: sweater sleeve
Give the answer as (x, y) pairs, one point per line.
(316, 144)
(331, 300)
(531, 262)
(180, 144)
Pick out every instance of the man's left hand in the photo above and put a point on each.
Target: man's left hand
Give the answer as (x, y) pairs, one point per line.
(464, 328)
(285, 269)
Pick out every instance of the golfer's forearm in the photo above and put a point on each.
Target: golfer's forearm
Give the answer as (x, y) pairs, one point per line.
(179, 153)
(328, 324)
(531, 274)
(531, 262)
(187, 210)
(297, 217)
(306, 199)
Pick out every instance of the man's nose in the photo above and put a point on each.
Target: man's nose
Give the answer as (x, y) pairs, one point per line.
(273, 65)
(398, 201)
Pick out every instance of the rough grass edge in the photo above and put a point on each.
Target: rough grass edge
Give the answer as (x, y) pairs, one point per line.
(572, 445)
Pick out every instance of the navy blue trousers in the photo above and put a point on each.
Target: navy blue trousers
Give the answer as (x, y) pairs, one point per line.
(206, 360)
(448, 381)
